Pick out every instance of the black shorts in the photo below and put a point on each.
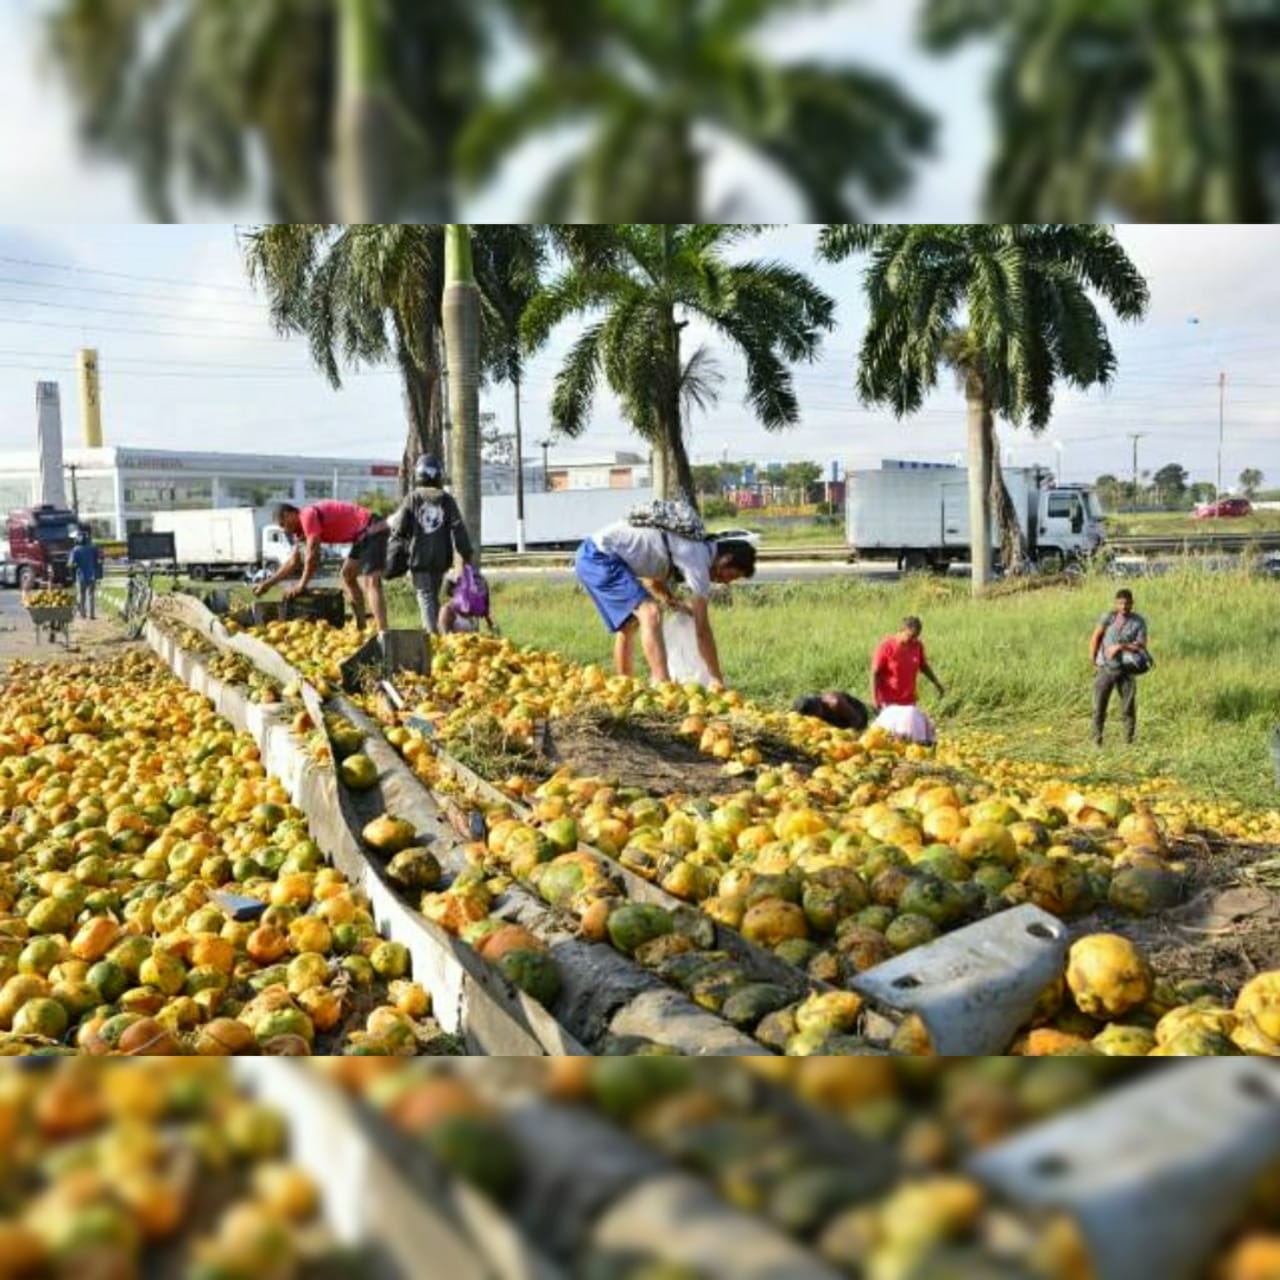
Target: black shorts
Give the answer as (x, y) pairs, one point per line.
(369, 550)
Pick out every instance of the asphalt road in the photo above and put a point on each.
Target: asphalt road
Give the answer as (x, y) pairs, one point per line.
(18, 637)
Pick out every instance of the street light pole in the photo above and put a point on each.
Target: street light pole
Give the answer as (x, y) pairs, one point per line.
(1222, 408)
(1135, 436)
(545, 445)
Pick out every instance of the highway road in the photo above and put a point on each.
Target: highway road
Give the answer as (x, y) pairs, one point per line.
(766, 571)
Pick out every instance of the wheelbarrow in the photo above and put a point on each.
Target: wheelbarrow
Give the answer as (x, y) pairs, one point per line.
(52, 619)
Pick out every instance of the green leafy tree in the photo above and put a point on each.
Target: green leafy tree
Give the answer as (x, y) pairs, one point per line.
(1251, 481)
(1077, 80)
(362, 295)
(1009, 308)
(354, 105)
(708, 479)
(1171, 483)
(637, 286)
(651, 78)
(373, 294)
(1202, 491)
(509, 264)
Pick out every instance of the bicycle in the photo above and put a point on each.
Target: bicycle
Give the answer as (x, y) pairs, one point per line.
(139, 596)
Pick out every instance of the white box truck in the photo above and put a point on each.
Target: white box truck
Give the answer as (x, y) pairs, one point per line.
(918, 516)
(223, 542)
(558, 520)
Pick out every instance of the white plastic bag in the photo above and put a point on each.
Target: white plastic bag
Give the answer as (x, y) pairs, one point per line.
(907, 722)
(684, 661)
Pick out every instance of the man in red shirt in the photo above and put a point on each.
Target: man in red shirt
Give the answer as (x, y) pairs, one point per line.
(898, 661)
(335, 523)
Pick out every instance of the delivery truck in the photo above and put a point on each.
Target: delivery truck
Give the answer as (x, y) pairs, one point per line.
(917, 515)
(223, 542)
(557, 520)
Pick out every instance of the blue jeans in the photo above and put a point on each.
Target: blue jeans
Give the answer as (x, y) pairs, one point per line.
(87, 598)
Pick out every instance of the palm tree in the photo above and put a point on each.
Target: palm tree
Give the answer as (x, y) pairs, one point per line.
(1075, 77)
(509, 262)
(657, 79)
(1009, 307)
(461, 311)
(638, 285)
(355, 104)
(362, 295)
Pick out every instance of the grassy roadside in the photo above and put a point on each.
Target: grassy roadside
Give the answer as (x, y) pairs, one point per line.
(1167, 524)
(1015, 667)
(825, 532)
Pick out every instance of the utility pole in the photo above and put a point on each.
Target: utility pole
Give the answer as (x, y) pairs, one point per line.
(545, 445)
(73, 467)
(1222, 410)
(1135, 436)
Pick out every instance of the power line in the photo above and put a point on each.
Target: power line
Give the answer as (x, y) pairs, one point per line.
(124, 275)
(115, 330)
(118, 311)
(125, 293)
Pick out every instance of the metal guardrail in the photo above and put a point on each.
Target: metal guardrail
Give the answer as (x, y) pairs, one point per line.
(1176, 544)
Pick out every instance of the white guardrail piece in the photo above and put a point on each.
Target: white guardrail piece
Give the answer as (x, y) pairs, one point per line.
(1155, 1172)
(366, 1201)
(974, 989)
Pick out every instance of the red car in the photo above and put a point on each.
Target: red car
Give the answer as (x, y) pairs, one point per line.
(1224, 508)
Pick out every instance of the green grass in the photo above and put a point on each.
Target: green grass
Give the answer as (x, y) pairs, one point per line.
(1172, 523)
(825, 531)
(1016, 665)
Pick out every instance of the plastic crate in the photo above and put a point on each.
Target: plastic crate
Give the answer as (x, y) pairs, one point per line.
(324, 606)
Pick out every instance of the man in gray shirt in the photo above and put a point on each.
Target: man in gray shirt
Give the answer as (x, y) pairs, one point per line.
(1118, 633)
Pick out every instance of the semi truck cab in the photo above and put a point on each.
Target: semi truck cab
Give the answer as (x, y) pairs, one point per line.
(40, 542)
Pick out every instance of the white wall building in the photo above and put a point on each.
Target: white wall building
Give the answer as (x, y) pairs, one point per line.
(118, 489)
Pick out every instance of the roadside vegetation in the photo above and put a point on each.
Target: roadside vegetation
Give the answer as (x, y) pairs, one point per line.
(1014, 666)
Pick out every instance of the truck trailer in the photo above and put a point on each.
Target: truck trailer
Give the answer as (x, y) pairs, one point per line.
(215, 542)
(557, 520)
(918, 516)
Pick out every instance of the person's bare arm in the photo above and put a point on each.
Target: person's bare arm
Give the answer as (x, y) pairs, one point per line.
(927, 671)
(706, 638)
(663, 594)
(310, 564)
(286, 570)
(1095, 643)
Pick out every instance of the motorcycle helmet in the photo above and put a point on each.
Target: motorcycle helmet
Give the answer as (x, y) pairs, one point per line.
(427, 470)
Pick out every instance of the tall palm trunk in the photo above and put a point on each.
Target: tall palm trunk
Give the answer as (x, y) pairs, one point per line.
(364, 119)
(515, 383)
(979, 480)
(423, 390)
(1013, 539)
(461, 313)
(677, 474)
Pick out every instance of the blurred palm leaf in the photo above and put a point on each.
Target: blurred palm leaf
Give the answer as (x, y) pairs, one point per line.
(1167, 110)
(651, 78)
(188, 92)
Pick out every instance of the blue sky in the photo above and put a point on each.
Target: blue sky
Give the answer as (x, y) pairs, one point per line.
(210, 373)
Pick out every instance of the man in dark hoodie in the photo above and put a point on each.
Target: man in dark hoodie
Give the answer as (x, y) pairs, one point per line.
(430, 521)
